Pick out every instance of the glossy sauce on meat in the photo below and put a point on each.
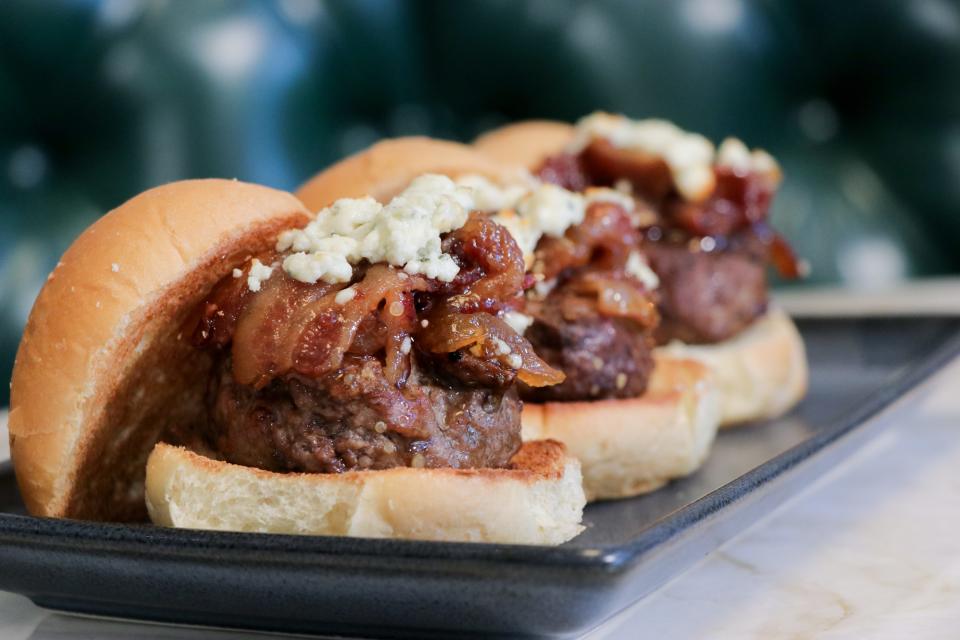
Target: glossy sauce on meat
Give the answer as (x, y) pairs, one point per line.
(710, 256)
(596, 324)
(314, 379)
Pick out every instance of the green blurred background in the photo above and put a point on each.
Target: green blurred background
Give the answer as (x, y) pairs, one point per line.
(102, 99)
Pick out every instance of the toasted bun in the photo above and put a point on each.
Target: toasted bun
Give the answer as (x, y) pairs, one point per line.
(538, 500)
(761, 372)
(389, 166)
(525, 144)
(102, 369)
(630, 447)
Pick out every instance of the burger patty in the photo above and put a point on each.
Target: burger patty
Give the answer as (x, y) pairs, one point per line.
(602, 357)
(706, 297)
(354, 419)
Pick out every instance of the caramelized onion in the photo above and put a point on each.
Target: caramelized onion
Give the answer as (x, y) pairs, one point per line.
(492, 266)
(291, 326)
(649, 174)
(490, 337)
(603, 240)
(739, 204)
(783, 258)
(618, 297)
(564, 170)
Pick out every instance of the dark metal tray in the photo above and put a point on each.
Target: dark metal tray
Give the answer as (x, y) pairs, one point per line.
(416, 589)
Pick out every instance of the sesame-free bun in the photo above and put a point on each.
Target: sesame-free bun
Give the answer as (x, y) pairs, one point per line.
(679, 409)
(102, 369)
(761, 372)
(385, 169)
(537, 500)
(525, 144)
(630, 447)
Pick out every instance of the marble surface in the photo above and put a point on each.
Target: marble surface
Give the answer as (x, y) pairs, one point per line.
(869, 551)
(932, 296)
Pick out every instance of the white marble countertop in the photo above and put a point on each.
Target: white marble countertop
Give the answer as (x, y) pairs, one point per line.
(869, 551)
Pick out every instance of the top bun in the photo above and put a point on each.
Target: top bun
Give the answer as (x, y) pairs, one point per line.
(388, 167)
(525, 144)
(103, 368)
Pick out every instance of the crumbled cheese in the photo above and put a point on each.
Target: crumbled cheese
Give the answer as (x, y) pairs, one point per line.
(345, 295)
(405, 233)
(552, 209)
(545, 210)
(489, 196)
(238, 273)
(688, 155)
(519, 322)
(603, 194)
(501, 348)
(543, 288)
(424, 323)
(514, 360)
(529, 208)
(258, 273)
(734, 154)
(406, 345)
(763, 162)
(638, 268)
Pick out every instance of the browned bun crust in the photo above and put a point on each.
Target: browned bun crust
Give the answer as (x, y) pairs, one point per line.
(102, 369)
(525, 144)
(537, 500)
(387, 168)
(634, 446)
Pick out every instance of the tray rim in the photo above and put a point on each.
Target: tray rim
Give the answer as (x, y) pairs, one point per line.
(347, 551)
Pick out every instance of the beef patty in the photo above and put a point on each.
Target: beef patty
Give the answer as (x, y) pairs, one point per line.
(354, 419)
(603, 357)
(706, 297)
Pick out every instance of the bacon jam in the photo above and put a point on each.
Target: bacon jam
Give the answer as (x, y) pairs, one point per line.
(592, 319)
(709, 253)
(390, 369)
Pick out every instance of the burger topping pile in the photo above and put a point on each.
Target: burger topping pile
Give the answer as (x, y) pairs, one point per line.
(391, 315)
(702, 215)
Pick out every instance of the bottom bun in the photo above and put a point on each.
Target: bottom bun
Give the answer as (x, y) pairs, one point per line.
(537, 500)
(760, 373)
(634, 446)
